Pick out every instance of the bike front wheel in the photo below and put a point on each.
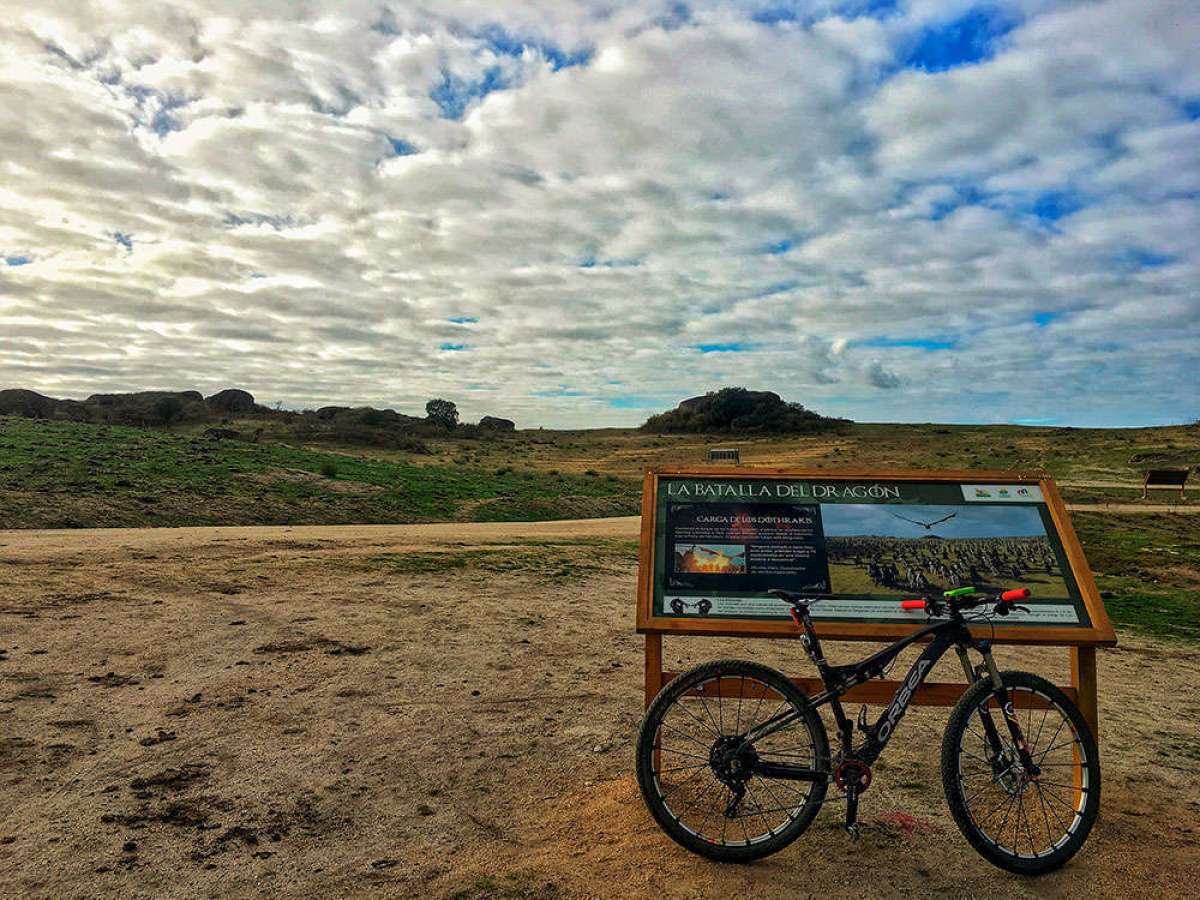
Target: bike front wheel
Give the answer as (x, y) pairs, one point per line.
(714, 790)
(1028, 822)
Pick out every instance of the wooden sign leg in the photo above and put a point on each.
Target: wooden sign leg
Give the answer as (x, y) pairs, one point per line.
(653, 667)
(1083, 678)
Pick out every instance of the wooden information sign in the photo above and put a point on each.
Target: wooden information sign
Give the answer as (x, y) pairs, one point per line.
(715, 540)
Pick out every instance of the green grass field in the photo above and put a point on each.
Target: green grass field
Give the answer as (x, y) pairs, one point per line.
(68, 475)
(63, 475)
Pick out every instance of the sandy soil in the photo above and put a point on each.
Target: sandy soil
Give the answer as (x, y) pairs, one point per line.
(425, 710)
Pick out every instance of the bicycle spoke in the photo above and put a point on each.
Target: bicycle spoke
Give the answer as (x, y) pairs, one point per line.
(662, 749)
(686, 737)
(737, 726)
(697, 719)
(708, 711)
(702, 765)
(1045, 806)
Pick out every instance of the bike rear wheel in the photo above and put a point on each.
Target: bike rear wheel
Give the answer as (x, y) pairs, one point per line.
(1020, 821)
(693, 761)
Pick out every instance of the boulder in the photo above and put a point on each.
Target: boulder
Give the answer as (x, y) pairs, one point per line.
(232, 400)
(495, 423)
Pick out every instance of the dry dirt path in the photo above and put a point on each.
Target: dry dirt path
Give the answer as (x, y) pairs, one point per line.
(51, 542)
(1134, 509)
(424, 711)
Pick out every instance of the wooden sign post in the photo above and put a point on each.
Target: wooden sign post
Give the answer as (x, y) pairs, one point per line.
(715, 540)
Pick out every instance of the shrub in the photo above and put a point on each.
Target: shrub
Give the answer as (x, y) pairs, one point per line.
(329, 468)
(442, 413)
(168, 409)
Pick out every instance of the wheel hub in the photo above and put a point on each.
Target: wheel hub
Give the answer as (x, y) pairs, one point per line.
(1010, 774)
(732, 760)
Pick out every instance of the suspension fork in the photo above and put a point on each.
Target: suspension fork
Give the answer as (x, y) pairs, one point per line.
(1000, 692)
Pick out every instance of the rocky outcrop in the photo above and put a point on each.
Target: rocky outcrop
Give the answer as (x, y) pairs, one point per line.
(232, 400)
(495, 423)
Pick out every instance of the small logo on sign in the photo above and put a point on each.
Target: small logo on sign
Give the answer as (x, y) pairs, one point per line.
(982, 492)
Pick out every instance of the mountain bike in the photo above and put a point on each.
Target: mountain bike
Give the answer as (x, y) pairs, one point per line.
(733, 759)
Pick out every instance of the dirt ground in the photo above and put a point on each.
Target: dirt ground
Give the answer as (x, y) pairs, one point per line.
(450, 711)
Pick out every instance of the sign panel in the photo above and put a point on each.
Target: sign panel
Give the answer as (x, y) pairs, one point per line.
(715, 541)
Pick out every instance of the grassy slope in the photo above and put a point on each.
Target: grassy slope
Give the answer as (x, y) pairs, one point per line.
(55, 474)
(68, 475)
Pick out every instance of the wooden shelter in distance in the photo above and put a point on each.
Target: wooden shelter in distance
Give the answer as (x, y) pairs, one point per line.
(715, 540)
(1165, 480)
(725, 454)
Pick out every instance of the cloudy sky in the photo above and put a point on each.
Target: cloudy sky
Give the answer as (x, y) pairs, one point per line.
(576, 213)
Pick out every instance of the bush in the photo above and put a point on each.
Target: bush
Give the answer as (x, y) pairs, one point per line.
(329, 468)
(168, 409)
(442, 413)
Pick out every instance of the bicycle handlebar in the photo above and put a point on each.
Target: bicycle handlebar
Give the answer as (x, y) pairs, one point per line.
(967, 598)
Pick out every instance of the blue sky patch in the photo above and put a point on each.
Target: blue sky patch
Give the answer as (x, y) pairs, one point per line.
(676, 16)
(504, 43)
(776, 14)
(781, 246)
(632, 403)
(17, 260)
(965, 41)
(964, 195)
(559, 392)
(401, 147)
(453, 94)
(930, 344)
(1042, 318)
(453, 348)
(463, 320)
(1049, 420)
(1136, 259)
(730, 347)
(125, 240)
(1054, 205)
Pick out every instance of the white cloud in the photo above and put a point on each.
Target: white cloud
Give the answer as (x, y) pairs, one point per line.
(634, 204)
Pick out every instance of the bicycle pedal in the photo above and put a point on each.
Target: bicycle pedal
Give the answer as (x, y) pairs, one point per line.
(852, 830)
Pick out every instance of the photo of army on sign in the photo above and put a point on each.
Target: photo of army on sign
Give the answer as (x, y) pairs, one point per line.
(876, 549)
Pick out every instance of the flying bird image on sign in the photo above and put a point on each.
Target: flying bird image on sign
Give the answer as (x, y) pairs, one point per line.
(926, 525)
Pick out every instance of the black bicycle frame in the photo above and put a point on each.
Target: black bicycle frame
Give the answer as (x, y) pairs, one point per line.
(840, 679)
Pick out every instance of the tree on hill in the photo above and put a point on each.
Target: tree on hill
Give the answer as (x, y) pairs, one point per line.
(442, 413)
(738, 410)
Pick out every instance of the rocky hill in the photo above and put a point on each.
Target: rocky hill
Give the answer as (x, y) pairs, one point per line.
(341, 424)
(737, 410)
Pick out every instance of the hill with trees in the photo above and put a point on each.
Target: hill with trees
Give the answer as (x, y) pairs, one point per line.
(234, 414)
(736, 410)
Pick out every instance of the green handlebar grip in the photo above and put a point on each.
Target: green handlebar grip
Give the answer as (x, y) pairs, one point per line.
(959, 592)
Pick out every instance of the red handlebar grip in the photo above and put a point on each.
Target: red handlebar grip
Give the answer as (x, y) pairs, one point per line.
(912, 604)
(1014, 595)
